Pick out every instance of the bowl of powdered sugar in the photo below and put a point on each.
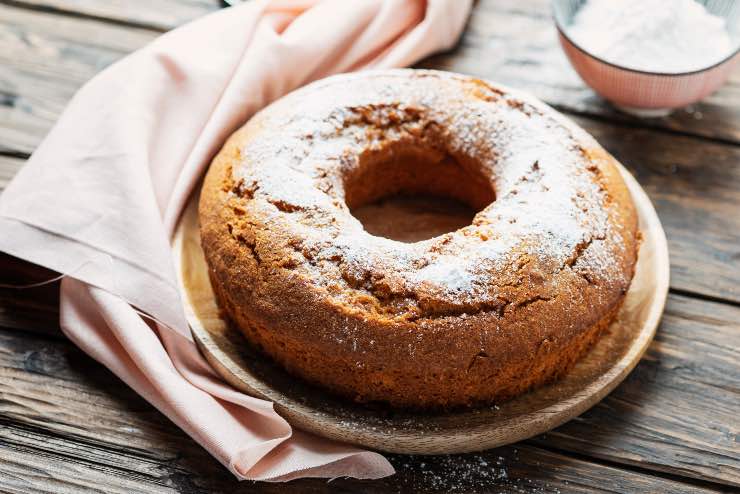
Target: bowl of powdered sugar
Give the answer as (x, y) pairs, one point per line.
(649, 57)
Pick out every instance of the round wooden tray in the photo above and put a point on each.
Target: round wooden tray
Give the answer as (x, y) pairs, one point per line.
(311, 409)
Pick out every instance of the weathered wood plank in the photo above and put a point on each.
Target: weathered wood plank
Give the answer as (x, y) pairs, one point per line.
(32, 469)
(680, 404)
(676, 413)
(38, 315)
(66, 424)
(161, 15)
(44, 59)
(509, 41)
(548, 472)
(695, 187)
(26, 470)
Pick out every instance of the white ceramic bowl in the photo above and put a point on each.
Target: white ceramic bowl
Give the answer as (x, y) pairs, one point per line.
(641, 92)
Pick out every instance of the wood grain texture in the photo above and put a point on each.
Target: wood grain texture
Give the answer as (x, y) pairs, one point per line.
(694, 184)
(44, 59)
(509, 41)
(33, 464)
(675, 413)
(681, 403)
(695, 187)
(159, 15)
(37, 314)
(67, 425)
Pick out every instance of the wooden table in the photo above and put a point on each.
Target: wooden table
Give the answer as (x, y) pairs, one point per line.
(68, 425)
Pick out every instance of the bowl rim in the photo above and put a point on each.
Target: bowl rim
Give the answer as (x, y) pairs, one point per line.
(562, 32)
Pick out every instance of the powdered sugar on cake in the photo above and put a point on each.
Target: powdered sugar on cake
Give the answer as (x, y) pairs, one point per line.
(549, 214)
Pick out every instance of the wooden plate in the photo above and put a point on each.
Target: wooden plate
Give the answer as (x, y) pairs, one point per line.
(311, 409)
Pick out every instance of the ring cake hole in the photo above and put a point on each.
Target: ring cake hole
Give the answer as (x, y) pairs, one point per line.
(410, 194)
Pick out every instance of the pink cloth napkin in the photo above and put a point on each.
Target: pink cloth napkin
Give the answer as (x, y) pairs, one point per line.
(100, 198)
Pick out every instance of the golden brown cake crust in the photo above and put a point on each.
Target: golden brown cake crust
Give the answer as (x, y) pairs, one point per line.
(477, 315)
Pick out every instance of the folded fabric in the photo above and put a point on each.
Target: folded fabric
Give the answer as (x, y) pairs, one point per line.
(100, 198)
